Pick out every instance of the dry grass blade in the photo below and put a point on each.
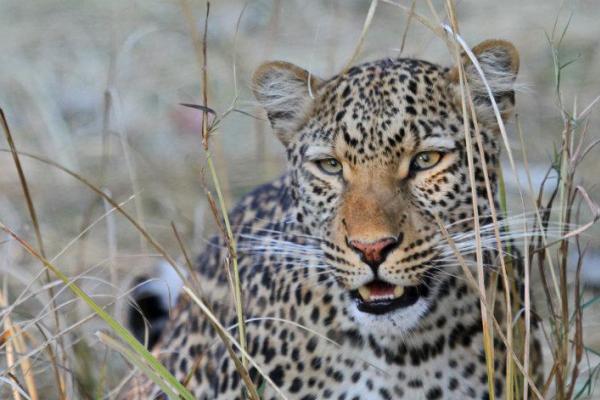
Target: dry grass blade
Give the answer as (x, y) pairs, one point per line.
(115, 326)
(475, 286)
(46, 344)
(23, 180)
(88, 228)
(523, 344)
(485, 314)
(594, 209)
(459, 40)
(10, 360)
(15, 386)
(205, 130)
(407, 26)
(134, 359)
(188, 260)
(567, 352)
(363, 35)
(199, 107)
(237, 287)
(578, 337)
(242, 369)
(38, 235)
(12, 333)
(227, 337)
(527, 265)
(435, 28)
(112, 202)
(201, 52)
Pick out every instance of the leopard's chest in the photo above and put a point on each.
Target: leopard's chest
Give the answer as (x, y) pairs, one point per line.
(318, 369)
(306, 356)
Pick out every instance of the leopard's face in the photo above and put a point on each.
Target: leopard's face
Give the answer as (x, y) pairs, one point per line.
(377, 161)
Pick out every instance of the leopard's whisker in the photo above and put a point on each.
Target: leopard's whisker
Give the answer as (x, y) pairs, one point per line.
(502, 218)
(284, 234)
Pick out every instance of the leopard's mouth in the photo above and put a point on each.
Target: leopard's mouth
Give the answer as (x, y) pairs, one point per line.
(379, 297)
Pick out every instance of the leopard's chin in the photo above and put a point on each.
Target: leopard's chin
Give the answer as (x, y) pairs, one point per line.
(391, 311)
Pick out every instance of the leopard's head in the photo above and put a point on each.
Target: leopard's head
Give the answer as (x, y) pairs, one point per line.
(377, 158)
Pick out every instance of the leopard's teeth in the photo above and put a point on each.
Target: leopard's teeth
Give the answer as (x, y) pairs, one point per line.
(364, 292)
(398, 291)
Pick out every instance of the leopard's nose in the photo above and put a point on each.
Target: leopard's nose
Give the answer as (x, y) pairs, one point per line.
(374, 253)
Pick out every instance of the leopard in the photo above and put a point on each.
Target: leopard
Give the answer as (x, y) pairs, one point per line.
(352, 263)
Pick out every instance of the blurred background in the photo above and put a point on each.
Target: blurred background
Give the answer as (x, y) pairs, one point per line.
(96, 87)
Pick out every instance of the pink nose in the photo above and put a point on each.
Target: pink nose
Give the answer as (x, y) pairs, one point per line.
(374, 252)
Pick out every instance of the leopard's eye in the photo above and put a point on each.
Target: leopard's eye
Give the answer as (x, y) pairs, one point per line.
(426, 160)
(330, 166)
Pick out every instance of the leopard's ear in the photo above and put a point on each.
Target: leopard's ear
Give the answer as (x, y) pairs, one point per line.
(286, 93)
(499, 62)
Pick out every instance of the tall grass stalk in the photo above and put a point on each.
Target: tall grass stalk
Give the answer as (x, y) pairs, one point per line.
(200, 46)
(60, 380)
(567, 197)
(486, 315)
(13, 339)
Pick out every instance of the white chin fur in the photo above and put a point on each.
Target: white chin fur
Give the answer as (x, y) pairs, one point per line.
(393, 324)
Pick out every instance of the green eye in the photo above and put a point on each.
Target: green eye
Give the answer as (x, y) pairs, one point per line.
(330, 166)
(426, 160)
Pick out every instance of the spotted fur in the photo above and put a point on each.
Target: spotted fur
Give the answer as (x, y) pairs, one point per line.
(298, 266)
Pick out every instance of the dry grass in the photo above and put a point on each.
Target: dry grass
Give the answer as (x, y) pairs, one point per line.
(116, 163)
